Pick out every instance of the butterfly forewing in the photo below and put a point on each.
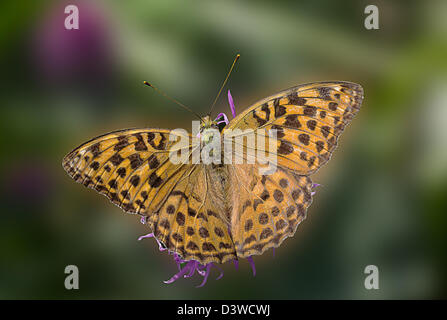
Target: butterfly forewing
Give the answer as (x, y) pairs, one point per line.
(308, 120)
(124, 166)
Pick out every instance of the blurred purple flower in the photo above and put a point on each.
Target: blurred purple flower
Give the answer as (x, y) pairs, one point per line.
(67, 55)
(29, 182)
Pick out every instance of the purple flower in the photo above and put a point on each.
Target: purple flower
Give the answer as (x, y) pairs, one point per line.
(187, 269)
(86, 54)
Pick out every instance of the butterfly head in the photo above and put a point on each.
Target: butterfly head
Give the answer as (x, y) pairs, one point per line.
(207, 123)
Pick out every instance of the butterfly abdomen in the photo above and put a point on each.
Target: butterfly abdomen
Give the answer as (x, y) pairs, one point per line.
(219, 184)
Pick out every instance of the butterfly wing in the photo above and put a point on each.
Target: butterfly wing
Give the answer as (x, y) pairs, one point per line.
(308, 120)
(190, 223)
(127, 166)
(133, 169)
(268, 209)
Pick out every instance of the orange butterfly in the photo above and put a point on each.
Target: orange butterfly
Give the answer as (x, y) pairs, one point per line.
(213, 213)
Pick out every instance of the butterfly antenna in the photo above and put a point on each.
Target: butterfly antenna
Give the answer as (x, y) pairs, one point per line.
(224, 83)
(172, 99)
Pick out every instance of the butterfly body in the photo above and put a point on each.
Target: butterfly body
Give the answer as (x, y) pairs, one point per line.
(220, 188)
(218, 212)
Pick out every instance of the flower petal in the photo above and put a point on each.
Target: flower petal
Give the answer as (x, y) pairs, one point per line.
(177, 276)
(207, 273)
(314, 186)
(193, 270)
(252, 264)
(221, 272)
(231, 102)
(224, 116)
(149, 235)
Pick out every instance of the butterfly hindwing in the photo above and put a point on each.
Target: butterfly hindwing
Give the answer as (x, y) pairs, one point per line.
(268, 208)
(190, 224)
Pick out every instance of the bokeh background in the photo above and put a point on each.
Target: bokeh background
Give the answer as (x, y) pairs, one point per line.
(383, 199)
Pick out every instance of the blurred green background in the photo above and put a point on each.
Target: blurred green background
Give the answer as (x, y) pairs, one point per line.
(383, 200)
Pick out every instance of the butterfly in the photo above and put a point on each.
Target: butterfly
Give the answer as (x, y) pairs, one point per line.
(215, 213)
